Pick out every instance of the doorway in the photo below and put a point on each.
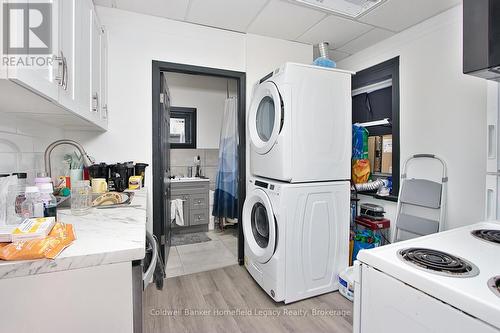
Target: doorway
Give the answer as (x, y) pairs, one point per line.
(182, 120)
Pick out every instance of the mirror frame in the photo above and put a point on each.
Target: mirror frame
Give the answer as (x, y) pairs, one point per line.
(189, 115)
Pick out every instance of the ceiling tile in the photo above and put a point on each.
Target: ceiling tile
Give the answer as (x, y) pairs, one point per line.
(282, 19)
(174, 9)
(226, 14)
(338, 55)
(368, 39)
(335, 30)
(397, 15)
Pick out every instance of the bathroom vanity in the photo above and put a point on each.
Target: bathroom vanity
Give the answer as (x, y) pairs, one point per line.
(194, 193)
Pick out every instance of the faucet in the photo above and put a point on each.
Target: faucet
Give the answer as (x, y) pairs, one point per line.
(87, 160)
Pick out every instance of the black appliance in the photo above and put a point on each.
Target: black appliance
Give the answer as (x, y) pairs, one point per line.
(100, 170)
(481, 39)
(118, 178)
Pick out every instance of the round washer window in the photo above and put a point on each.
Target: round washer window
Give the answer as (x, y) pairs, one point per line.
(260, 225)
(265, 118)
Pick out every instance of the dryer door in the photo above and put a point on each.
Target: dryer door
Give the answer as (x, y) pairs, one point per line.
(265, 117)
(259, 225)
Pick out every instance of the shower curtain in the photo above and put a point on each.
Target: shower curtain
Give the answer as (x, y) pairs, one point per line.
(226, 186)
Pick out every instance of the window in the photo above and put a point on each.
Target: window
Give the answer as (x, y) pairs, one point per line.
(375, 104)
(182, 128)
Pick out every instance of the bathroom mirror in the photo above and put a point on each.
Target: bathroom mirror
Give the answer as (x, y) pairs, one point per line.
(182, 128)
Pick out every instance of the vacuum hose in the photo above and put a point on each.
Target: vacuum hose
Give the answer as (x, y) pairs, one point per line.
(375, 185)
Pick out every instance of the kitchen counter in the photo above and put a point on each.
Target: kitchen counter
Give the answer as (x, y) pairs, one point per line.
(105, 236)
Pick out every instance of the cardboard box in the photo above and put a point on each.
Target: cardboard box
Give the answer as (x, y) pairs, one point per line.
(387, 154)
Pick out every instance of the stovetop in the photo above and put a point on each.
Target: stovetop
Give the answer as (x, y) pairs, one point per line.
(488, 235)
(457, 251)
(438, 262)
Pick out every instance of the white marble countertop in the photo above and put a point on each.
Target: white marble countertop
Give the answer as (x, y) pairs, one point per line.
(105, 236)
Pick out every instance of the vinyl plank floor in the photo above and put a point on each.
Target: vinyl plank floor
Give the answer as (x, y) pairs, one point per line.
(229, 300)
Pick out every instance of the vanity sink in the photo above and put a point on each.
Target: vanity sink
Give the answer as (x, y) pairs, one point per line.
(189, 179)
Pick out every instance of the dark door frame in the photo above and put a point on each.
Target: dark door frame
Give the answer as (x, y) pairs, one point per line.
(240, 77)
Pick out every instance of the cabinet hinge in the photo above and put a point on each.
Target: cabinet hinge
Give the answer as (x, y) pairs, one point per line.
(162, 98)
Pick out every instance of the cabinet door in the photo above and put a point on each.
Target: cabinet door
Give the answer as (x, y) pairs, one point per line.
(84, 11)
(67, 41)
(185, 208)
(40, 79)
(492, 144)
(95, 82)
(104, 77)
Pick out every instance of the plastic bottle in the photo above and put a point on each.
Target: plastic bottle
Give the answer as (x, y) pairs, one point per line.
(323, 60)
(49, 200)
(33, 205)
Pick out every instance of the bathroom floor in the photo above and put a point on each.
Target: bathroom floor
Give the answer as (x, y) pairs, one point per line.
(220, 251)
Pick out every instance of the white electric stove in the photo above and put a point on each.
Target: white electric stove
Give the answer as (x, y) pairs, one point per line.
(445, 282)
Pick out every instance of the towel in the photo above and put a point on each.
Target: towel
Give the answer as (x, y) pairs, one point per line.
(176, 211)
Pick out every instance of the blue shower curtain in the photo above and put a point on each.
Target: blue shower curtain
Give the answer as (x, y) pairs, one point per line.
(226, 186)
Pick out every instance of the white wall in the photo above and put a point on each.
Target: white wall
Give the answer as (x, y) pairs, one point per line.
(442, 110)
(135, 40)
(22, 144)
(208, 95)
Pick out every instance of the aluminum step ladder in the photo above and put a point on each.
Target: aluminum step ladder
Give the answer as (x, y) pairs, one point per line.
(421, 194)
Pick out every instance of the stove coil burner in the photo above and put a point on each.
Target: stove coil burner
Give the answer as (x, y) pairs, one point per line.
(489, 235)
(494, 285)
(438, 262)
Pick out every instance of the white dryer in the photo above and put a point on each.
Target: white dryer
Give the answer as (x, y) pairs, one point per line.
(296, 236)
(299, 124)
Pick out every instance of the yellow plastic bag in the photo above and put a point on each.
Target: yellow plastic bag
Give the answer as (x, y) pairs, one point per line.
(59, 238)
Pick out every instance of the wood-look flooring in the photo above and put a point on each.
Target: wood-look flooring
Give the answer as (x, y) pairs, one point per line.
(229, 300)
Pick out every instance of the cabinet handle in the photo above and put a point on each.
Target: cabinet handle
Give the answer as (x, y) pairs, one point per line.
(95, 102)
(65, 72)
(198, 217)
(105, 111)
(60, 69)
(198, 202)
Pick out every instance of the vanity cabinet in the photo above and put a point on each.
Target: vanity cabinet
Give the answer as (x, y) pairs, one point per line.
(194, 195)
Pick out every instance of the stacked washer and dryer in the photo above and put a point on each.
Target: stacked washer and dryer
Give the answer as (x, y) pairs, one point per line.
(296, 213)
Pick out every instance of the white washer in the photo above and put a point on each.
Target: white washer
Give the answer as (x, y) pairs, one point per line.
(299, 124)
(296, 236)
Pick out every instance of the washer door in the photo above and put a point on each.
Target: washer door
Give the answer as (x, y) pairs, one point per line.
(265, 117)
(259, 225)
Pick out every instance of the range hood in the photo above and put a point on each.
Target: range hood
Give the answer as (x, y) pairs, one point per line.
(482, 38)
(350, 8)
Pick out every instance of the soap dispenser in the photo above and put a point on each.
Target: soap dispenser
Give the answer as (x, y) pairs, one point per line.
(323, 60)
(197, 163)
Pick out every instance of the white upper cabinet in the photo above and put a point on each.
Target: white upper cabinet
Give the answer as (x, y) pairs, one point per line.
(42, 79)
(75, 80)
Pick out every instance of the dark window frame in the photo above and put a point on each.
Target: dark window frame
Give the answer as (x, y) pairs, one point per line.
(189, 115)
(386, 70)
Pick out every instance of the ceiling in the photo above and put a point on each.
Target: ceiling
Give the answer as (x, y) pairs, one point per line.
(289, 20)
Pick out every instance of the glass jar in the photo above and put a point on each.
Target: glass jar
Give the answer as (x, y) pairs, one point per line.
(81, 198)
(15, 198)
(33, 205)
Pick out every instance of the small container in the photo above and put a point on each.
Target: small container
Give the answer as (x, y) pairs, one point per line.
(99, 185)
(33, 205)
(81, 198)
(75, 175)
(15, 197)
(190, 171)
(346, 283)
(42, 180)
(140, 170)
(49, 200)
